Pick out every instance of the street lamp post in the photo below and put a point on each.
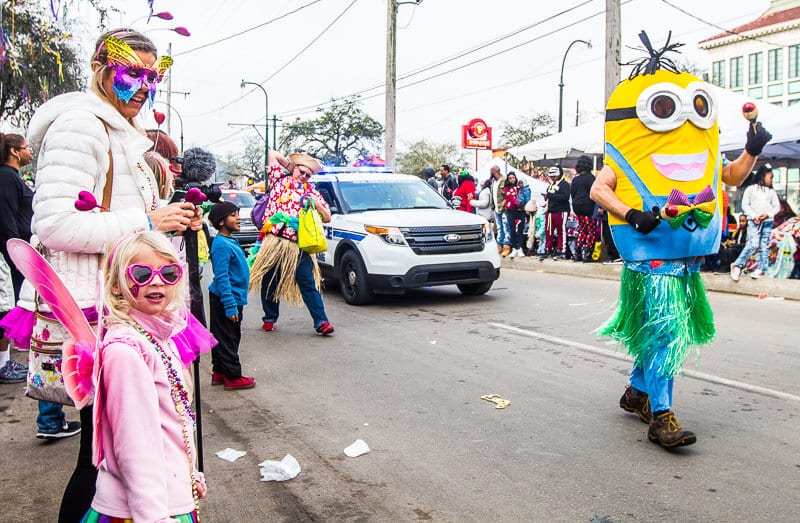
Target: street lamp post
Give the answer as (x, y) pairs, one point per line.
(170, 108)
(561, 81)
(266, 122)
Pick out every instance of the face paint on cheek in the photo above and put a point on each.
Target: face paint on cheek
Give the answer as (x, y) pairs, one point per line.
(135, 291)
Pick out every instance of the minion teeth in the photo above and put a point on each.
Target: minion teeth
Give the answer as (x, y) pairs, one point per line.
(681, 167)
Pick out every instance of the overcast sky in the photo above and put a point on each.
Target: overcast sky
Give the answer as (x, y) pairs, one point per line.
(348, 56)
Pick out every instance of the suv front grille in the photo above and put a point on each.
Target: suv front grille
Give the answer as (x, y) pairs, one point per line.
(431, 240)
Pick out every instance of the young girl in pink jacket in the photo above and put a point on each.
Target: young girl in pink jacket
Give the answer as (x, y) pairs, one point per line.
(143, 438)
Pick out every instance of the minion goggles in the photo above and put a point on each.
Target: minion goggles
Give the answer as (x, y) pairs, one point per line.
(665, 106)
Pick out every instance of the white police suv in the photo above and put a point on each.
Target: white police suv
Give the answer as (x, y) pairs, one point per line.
(391, 232)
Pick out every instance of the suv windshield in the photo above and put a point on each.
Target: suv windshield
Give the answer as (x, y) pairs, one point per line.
(243, 200)
(394, 194)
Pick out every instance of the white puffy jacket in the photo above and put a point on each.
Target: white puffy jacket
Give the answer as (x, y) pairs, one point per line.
(73, 144)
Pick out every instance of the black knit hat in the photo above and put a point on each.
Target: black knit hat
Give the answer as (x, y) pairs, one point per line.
(583, 164)
(219, 211)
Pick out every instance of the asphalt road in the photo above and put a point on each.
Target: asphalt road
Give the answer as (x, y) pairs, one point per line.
(407, 374)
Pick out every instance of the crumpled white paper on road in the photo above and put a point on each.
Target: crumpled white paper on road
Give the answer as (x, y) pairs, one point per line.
(287, 468)
(358, 448)
(230, 454)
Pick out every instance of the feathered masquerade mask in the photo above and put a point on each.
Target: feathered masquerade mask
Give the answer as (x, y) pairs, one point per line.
(130, 72)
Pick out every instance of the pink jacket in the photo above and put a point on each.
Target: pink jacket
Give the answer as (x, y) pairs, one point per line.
(143, 469)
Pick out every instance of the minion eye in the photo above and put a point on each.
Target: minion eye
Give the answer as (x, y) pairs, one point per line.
(704, 110)
(662, 106)
(700, 103)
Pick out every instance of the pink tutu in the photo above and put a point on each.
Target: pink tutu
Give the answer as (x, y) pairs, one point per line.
(18, 324)
(193, 340)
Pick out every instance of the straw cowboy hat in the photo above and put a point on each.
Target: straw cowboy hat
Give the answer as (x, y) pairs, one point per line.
(306, 161)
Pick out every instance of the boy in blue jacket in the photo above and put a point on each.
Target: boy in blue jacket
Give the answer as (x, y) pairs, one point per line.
(227, 296)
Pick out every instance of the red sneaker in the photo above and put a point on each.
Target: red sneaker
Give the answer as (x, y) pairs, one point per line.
(268, 326)
(217, 378)
(325, 328)
(241, 382)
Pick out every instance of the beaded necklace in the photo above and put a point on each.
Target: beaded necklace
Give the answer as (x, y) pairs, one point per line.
(180, 398)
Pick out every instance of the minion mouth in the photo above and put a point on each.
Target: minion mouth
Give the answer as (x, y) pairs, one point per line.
(681, 167)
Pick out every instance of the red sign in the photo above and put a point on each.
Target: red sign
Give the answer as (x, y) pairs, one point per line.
(476, 135)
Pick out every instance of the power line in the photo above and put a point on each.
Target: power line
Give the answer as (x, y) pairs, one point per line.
(724, 30)
(240, 33)
(302, 110)
(443, 61)
(281, 68)
(303, 50)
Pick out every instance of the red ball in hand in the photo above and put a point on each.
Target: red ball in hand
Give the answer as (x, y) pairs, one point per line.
(750, 111)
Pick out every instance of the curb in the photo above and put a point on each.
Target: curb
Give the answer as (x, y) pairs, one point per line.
(763, 288)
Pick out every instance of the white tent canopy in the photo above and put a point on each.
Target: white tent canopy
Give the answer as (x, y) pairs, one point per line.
(783, 123)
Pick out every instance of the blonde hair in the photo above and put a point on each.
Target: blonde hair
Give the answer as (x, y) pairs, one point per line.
(136, 40)
(117, 296)
(160, 167)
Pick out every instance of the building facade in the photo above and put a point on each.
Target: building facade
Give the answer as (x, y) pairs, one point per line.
(761, 59)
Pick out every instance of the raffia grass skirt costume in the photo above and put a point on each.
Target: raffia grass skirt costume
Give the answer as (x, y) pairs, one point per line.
(661, 316)
(283, 256)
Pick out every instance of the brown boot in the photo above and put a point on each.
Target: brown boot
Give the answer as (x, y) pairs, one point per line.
(506, 250)
(667, 430)
(639, 404)
(499, 249)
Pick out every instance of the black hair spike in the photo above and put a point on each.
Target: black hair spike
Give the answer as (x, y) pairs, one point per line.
(656, 59)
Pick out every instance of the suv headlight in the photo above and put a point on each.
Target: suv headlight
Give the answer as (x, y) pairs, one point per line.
(488, 235)
(390, 235)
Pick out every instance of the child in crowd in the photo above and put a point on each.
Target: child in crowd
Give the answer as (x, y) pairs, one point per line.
(227, 296)
(144, 445)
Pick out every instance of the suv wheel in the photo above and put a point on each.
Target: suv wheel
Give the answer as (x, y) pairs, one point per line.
(474, 289)
(353, 280)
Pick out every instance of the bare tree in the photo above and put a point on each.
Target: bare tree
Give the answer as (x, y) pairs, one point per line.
(337, 136)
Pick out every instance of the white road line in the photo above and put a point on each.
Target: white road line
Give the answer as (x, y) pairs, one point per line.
(621, 357)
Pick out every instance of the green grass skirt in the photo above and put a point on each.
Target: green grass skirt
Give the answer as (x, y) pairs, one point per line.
(661, 316)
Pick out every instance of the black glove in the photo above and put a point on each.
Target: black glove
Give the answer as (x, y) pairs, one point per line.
(756, 139)
(643, 222)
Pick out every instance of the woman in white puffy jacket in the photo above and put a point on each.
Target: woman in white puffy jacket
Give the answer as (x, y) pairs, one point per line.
(88, 141)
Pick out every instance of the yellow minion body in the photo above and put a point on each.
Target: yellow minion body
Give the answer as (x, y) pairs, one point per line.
(662, 135)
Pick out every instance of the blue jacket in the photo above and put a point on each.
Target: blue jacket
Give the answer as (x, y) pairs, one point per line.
(231, 274)
(524, 195)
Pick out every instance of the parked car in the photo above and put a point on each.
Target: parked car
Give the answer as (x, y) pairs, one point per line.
(248, 233)
(392, 232)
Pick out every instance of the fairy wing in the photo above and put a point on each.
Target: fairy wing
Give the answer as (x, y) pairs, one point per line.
(78, 355)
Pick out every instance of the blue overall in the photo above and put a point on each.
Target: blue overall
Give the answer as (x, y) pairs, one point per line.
(678, 252)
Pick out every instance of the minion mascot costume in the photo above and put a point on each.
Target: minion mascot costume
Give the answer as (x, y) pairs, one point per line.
(662, 184)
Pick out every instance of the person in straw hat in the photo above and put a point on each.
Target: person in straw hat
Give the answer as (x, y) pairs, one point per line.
(281, 270)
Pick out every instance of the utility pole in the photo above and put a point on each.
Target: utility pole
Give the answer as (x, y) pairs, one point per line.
(391, 81)
(613, 46)
(390, 133)
(275, 121)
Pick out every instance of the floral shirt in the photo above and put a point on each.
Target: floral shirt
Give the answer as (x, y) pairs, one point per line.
(284, 196)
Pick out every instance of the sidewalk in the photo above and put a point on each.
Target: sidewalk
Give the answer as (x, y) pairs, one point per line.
(788, 289)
